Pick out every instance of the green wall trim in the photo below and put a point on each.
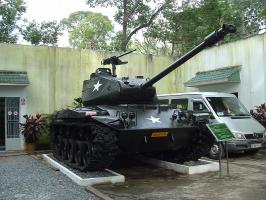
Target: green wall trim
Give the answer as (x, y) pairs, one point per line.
(14, 78)
(222, 75)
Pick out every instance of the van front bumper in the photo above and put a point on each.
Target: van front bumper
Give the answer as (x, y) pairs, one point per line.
(242, 145)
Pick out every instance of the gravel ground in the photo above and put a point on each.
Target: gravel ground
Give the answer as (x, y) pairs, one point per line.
(23, 177)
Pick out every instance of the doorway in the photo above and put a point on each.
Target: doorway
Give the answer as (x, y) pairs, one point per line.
(2, 124)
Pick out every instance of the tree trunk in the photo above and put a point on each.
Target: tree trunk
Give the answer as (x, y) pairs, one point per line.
(124, 31)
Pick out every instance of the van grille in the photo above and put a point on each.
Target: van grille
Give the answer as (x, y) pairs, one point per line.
(254, 136)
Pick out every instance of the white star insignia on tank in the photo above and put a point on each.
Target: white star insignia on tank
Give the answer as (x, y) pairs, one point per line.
(96, 86)
(154, 119)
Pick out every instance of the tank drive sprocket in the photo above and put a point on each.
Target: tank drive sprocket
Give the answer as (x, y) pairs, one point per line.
(83, 151)
(199, 146)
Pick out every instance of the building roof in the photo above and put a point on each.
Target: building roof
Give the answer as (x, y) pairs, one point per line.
(221, 75)
(14, 78)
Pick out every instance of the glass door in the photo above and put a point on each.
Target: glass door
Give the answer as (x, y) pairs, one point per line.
(12, 123)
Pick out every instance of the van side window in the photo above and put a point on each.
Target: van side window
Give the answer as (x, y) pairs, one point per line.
(180, 103)
(199, 106)
(164, 101)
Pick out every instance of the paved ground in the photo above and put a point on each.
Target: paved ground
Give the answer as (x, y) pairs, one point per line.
(247, 181)
(25, 178)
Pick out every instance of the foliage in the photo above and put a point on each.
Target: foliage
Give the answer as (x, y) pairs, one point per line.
(133, 15)
(150, 45)
(44, 33)
(184, 27)
(44, 139)
(263, 13)
(10, 14)
(249, 12)
(32, 128)
(88, 30)
(260, 114)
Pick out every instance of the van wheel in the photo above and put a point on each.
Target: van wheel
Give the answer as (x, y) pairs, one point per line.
(214, 151)
(252, 151)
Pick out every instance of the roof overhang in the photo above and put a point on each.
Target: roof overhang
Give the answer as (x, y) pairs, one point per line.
(217, 76)
(14, 78)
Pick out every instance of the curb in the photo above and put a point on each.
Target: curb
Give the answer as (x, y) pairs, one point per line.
(116, 178)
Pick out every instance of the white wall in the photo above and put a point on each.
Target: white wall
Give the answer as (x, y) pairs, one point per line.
(249, 53)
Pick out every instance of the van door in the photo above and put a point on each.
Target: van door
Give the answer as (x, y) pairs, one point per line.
(198, 105)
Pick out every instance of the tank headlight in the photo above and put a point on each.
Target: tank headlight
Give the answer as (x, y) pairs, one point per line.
(124, 115)
(239, 135)
(132, 115)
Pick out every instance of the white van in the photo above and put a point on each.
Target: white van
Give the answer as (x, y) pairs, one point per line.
(224, 108)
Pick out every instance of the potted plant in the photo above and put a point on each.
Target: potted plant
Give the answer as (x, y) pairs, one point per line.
(31, 129)
(260, 114)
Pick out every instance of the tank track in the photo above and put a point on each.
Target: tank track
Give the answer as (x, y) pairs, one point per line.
(198, 146)
(84, 146)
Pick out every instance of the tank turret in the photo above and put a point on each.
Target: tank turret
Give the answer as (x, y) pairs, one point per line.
(104, 87)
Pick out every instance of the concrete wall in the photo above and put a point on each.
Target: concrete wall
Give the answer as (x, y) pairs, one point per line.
(56, 74)
(249, 53)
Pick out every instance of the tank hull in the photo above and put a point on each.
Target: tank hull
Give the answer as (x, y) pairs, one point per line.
(124, 129)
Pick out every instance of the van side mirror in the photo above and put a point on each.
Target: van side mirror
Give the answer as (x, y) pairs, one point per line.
(251, 112)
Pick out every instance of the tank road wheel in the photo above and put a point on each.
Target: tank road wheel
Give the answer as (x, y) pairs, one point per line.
(70, 154)
(86, 154)
(78, 153)
(57, 151)
(65, 149)
(102, 150)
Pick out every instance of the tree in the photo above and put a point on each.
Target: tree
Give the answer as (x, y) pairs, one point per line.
(263, 13)
(44, 33)
(187, 25)
(88, 30)
(150, 45)
(50, 32)
(251, 15)
(31, 33)
(10, 14)
(133, 15)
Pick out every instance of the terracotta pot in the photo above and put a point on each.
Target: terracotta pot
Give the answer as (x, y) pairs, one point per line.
(30, 147)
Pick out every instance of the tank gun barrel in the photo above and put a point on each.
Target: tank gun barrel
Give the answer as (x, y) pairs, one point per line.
(126, 53)
(208, 41)
(115, 59)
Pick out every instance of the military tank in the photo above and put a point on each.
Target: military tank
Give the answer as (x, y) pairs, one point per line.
(123, 116)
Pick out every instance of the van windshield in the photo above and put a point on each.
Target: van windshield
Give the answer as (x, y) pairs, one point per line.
(227, 106)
